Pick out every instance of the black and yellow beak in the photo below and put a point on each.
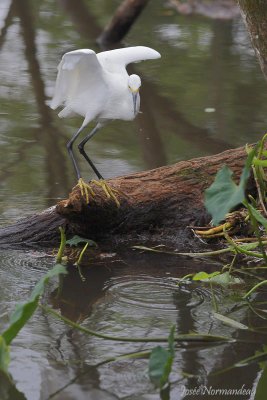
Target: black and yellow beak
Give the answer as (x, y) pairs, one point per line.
(134, 94)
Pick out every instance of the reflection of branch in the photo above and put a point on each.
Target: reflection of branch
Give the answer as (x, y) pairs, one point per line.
(121, 22)
(23, 8)
(85, 23)
(76, 298)
(55, 158)
(186, 322)
(7, 23)
(90, 370)
(228, 357)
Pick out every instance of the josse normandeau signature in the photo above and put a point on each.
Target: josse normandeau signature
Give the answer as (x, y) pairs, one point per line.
(203, 390)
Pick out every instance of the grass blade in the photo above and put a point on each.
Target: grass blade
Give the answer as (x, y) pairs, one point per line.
(4, 356)
(229, 321)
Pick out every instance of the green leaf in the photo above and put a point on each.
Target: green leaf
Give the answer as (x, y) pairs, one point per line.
(76, 240)
(227, 279)
(204, 276)
(160, 362)
(24, 311)
(216, 277)
(261, 389)
(258, 216)
(224, 194)
(4, 355)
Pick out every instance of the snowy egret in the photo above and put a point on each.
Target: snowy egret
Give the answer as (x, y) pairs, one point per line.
(98, 87)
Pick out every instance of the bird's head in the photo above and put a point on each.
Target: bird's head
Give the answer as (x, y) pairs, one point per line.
(134, 83)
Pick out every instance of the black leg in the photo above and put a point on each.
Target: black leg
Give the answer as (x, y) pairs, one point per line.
(69, 147)
(81, 149)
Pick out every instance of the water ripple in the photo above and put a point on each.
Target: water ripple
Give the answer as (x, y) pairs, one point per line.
(150, 292)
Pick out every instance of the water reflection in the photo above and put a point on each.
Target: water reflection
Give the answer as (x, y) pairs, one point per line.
(76, 299)
(204, 64)
(124, 296)
(142, 301)
(48, 135)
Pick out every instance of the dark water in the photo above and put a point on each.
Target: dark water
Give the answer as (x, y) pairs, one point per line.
(205, 95)
(131, 296)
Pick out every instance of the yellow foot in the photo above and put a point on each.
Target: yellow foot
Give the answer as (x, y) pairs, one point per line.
(86, 190)
(110, 193)
(88, 193)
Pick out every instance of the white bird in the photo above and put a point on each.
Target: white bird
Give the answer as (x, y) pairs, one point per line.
(98, 87)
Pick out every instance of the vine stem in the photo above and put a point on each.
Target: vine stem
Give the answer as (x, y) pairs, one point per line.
(62, 245)
(190, 337)
(254, 288)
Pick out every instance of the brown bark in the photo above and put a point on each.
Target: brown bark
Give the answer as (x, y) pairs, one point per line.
(122, 21)
(254, 13)
(156, 205)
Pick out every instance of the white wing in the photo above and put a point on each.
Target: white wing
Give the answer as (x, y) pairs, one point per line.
(116, 60)
(78, 71)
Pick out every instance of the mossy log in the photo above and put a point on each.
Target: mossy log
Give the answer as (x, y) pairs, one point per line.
(156, 205)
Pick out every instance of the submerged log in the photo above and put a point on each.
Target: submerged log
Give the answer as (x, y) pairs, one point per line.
(156, 205)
